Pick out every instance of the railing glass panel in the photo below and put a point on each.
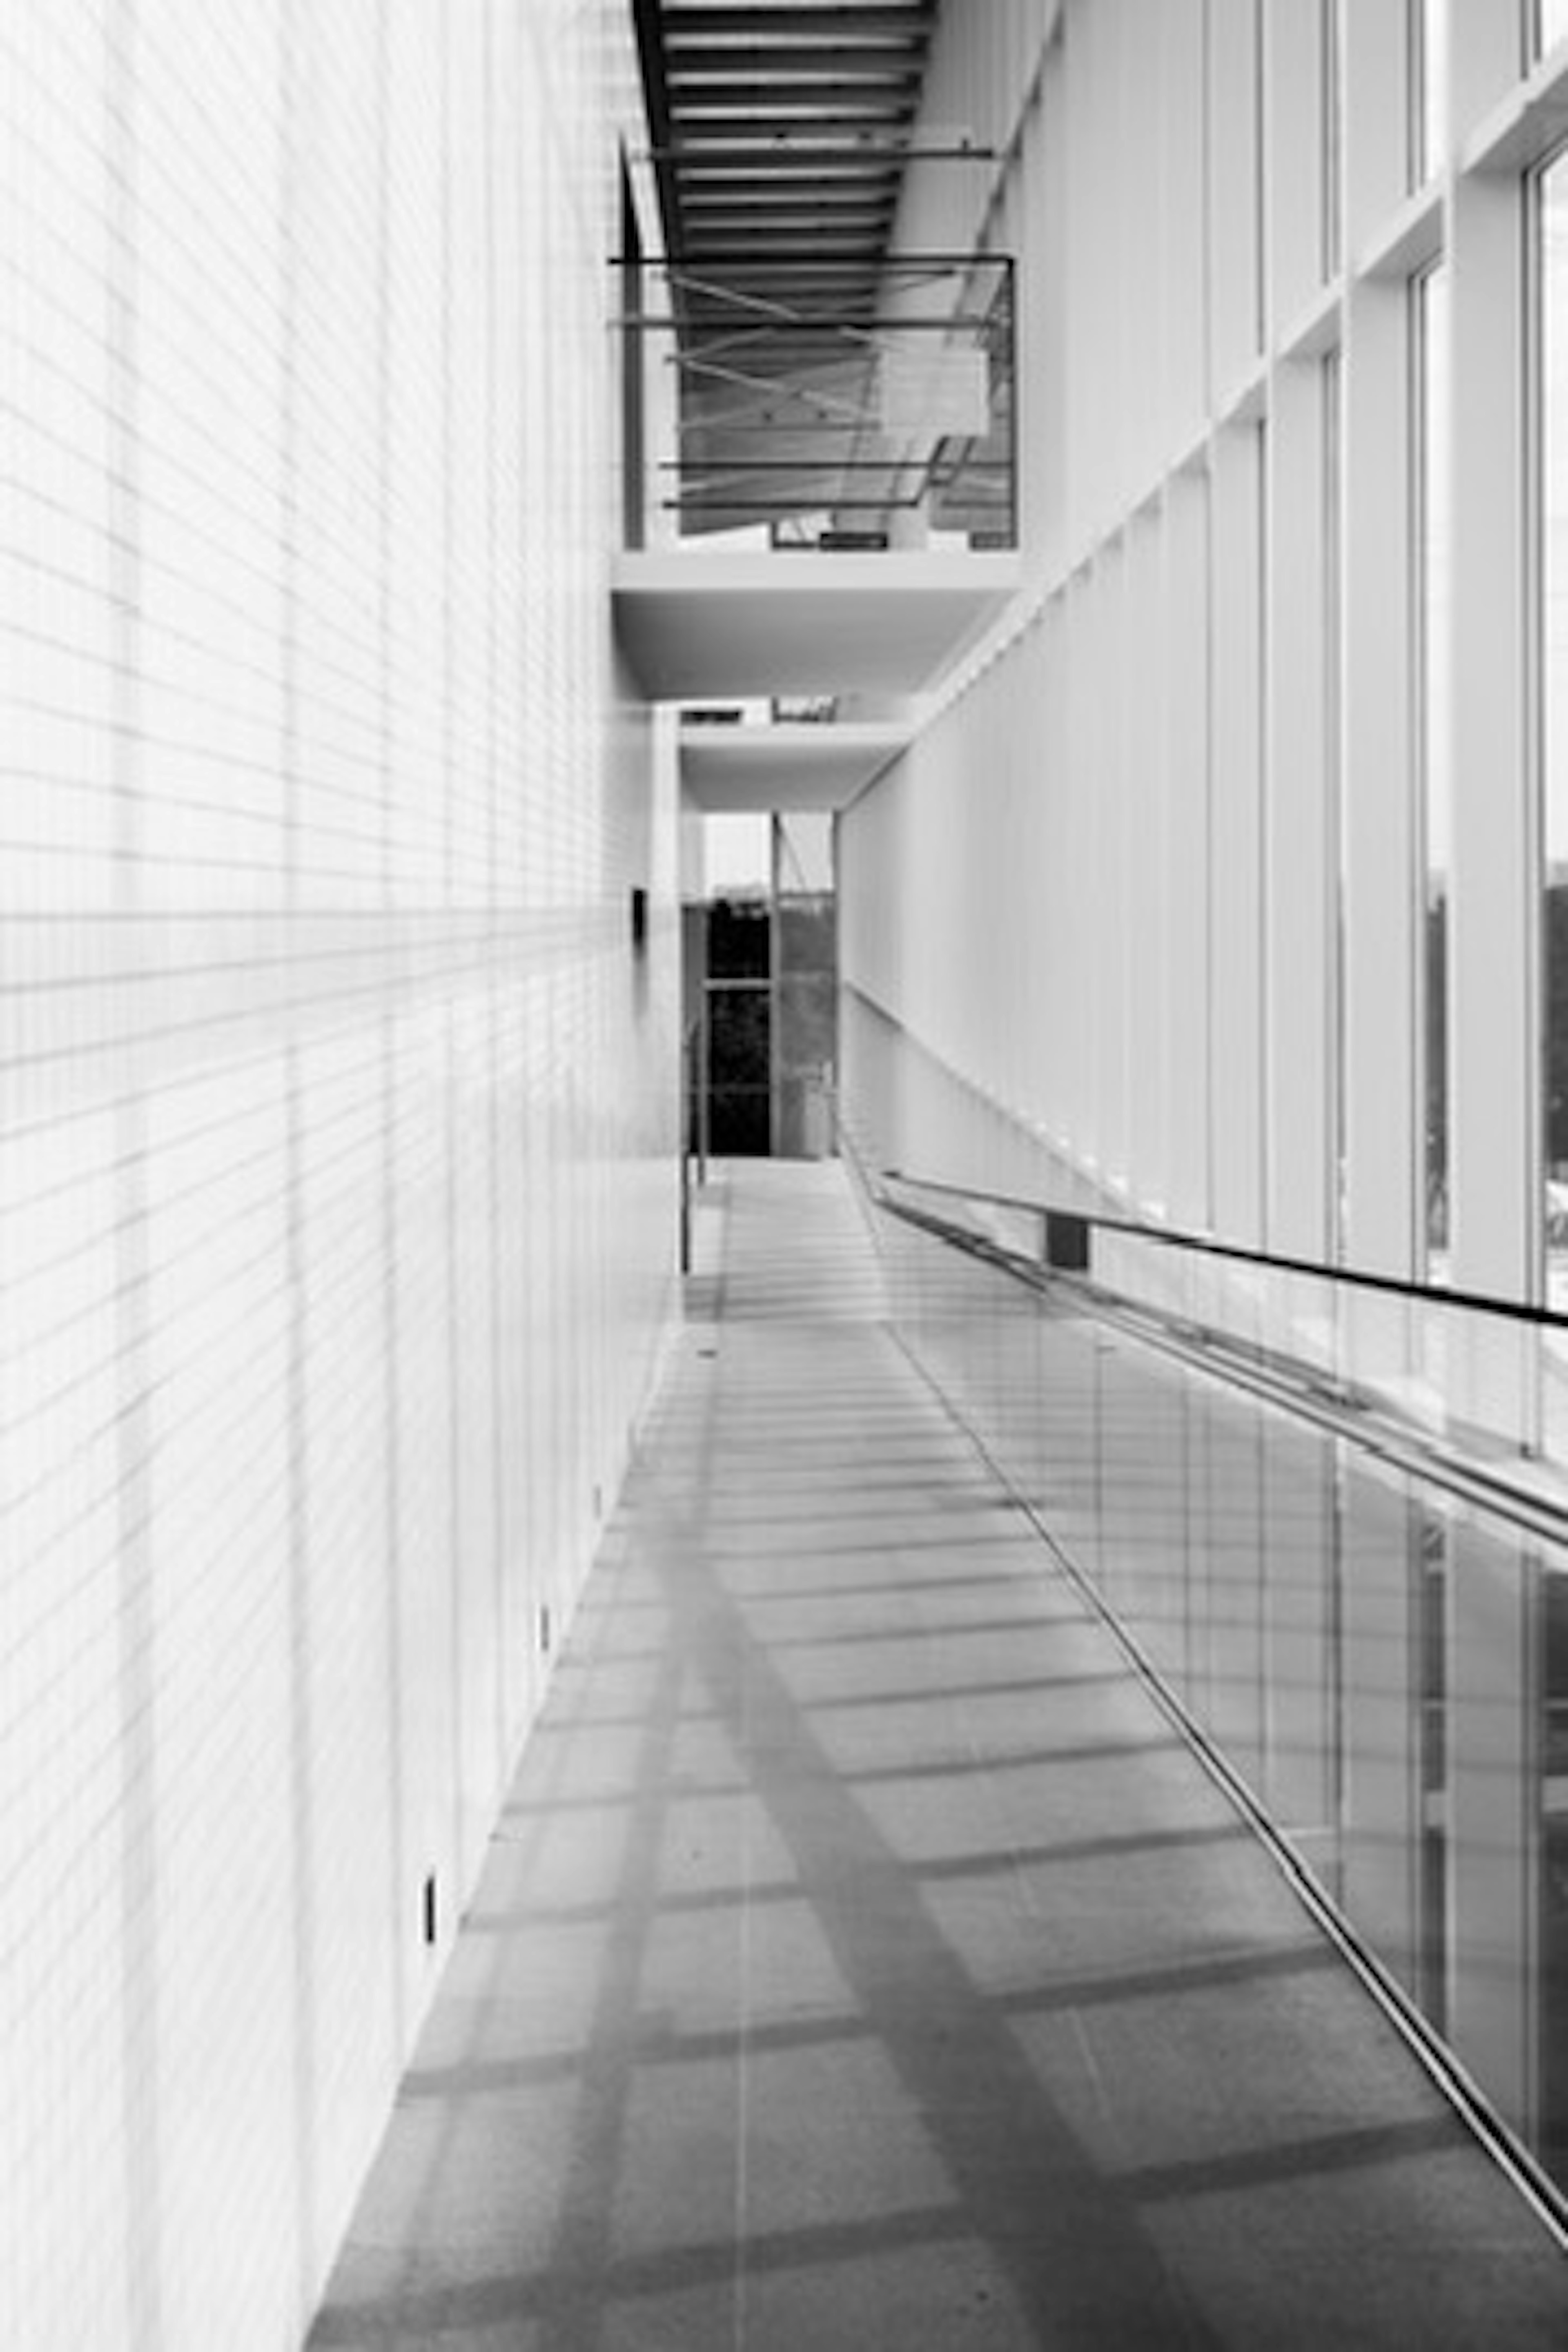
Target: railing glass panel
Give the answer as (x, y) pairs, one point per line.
(1380, 1661)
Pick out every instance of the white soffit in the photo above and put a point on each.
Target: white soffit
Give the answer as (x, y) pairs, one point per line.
(700, 627)
(733, 770)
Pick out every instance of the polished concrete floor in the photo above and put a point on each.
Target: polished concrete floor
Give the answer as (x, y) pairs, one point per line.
(862, 1962)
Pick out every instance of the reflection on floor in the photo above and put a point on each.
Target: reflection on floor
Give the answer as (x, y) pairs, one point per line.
(862, 1962)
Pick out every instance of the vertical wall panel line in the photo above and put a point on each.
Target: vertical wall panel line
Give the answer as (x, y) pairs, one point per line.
(139, 1987)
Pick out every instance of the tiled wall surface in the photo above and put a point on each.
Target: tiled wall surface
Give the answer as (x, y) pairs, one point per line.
(337, 1207)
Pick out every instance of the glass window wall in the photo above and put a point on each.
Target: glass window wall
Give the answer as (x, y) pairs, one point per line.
(1551, 460)
(1335, 786)
(1432, 541)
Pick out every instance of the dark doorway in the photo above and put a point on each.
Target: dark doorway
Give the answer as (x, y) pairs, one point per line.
(737, 1014)
(761, 1011)
(740, 1068)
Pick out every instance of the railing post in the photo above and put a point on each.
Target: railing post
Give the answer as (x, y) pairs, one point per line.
(1066, 1241)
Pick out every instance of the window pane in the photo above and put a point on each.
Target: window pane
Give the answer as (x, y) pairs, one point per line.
(1432, 602)
(1429, 78)
(1333, 116)
(1553, 24)
(1553, 478)
(1332, 383)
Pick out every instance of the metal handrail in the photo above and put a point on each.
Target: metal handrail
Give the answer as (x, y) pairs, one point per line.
(1290, 1383)
(1063, 1220)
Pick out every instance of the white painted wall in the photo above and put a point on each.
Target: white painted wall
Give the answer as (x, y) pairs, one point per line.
(1146, 889)
(337, 1210)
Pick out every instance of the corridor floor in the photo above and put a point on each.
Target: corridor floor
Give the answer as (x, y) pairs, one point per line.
(862, 1962)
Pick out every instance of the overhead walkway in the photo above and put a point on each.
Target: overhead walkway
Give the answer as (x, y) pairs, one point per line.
(864, 1960)
(699, 627)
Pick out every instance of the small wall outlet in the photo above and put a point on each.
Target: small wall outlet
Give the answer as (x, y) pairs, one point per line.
(427, 1909)
(544, 1629)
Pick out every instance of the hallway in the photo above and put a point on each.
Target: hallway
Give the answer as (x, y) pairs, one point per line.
(861, 1961)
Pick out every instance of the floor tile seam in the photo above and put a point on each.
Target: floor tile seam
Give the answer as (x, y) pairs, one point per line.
(948, 1761)
(1064, 1653)
(737, 1458)
(831, 1641)
(1105, 1684)
(813, 1598)
(835, 1641)
(950, 1529)
(891, 1444)
(650, 2039)
(736, 1473)
(915, 1513)
(803, 1414)
(966, 1860)
(817, 1423)
(1262, 2160)
(676, 1528)
(823, 1439)
(731, 1383)
(1232, 2168)
(899, 1561)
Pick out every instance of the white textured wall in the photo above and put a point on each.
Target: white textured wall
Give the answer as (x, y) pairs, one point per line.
(336, 1202)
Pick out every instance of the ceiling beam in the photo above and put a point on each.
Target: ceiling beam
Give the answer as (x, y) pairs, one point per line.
(724, 179)
(744, 217)
(804, 220)
(827, 133)
(745, 196)
(717, 147)
(763, 238)
(912, 18)
(768, 167)
(768, 61)
(875, 102)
